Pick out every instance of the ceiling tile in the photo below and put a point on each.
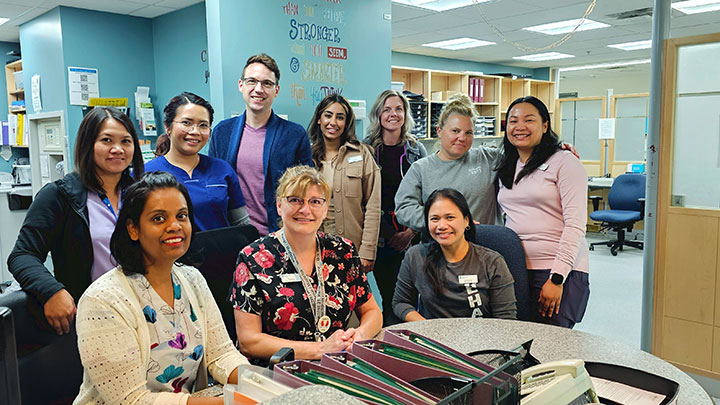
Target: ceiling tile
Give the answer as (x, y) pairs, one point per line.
(177, 4)
(109, 6)
(12, 11)
(152, 11)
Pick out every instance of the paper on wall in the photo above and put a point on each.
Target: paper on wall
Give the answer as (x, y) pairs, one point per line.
(83, 84)
(149, 127)
(35, 91)
(606, 128)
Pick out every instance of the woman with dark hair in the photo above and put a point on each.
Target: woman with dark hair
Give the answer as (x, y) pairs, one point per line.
(452, 276)
(279, 279)
(395, 150)
(149, 330)
(349, 169)
(543, 192)
(211, 182)
(73, 218)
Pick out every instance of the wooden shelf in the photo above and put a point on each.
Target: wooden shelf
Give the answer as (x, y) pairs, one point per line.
(17, 92)
(14, 65)
(14, 94)
(17, 110)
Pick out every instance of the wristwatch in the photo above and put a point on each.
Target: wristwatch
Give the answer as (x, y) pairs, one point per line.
(557, 279)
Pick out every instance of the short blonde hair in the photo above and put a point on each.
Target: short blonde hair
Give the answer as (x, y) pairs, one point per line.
(459, 104)
(298, 179)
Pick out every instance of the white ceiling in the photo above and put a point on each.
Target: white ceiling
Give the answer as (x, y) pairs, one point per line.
(414, 26)
(411, 26)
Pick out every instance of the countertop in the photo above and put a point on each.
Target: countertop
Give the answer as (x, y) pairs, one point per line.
(553, 343)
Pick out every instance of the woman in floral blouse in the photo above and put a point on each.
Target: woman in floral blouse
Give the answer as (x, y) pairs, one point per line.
(277, 298)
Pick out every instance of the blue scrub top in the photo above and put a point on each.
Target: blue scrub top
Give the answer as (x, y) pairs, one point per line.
(214, 189)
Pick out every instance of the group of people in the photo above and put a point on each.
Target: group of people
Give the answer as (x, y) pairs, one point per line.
(329, 209)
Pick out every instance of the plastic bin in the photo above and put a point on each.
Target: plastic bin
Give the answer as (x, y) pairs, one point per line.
(19, 84)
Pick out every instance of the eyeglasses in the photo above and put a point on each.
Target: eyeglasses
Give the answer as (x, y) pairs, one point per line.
(314, 203)
(252, 82)
(188, 126)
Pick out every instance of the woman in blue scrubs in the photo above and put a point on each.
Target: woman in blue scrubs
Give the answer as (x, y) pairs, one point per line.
(211, 182)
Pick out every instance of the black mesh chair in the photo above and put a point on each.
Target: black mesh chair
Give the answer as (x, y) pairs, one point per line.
(506, 242)
(218, 251)
(9, 379)
(47, 366)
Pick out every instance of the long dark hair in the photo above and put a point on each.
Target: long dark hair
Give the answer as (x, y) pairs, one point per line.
(85, 148)
(316, 136)
(435, 258)
(549, 144)
(127, 252)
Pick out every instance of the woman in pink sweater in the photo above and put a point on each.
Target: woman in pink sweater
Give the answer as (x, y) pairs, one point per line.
(543, 192)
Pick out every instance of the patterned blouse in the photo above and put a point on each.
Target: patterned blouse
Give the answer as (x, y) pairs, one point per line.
(177, 348)
(258, 287)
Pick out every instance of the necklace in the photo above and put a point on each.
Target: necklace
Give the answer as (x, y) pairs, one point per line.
(317, 298)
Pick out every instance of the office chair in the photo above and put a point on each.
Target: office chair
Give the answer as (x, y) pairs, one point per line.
(47, 365)
(627, 206)
(506, 242)
(218, 250)
(8, 359)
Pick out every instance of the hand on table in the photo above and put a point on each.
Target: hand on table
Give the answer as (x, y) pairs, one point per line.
(550, 297)
(60, 311)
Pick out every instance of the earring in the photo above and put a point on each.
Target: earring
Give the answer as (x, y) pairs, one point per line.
(467, 228)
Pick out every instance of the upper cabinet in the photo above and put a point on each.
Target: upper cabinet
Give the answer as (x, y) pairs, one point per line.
(15, 86)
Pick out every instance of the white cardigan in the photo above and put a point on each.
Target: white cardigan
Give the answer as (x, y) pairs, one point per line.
(114, 341)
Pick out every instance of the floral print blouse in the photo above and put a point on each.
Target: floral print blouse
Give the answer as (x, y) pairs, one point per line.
(283, 307)
(177, 347)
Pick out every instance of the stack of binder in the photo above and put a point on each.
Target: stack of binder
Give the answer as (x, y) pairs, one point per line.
(406, 368)
(418, 112)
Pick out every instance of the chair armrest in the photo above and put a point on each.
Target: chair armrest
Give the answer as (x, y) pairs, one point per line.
(642, 206)
(596, 201)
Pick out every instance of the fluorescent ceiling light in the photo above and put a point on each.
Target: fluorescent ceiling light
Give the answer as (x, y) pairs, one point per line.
(3, 20)
(633, 46)
(696, 6)
(544, 56)
(563, 27)
(458, 43)
(438, 5)
(605, 65)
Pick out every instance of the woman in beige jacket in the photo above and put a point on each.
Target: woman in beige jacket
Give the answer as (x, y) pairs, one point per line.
(350, 170)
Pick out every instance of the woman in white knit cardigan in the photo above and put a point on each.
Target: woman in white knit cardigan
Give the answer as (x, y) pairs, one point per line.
(149, 330)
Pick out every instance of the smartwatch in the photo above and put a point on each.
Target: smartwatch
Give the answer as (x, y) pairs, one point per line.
(557, 279)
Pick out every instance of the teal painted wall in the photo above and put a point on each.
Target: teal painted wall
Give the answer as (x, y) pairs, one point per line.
(5, 47)
(123, 56)
(277, 29)
(179, 47)
(432, 62)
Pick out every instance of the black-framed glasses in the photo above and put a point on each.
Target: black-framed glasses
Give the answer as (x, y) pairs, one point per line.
(252, 82)
(314, 202)
(188, 126)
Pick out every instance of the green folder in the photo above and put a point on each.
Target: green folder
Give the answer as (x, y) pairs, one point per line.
(317, 377)
(374, 372)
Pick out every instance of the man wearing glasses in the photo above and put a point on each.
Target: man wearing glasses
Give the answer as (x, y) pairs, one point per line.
(258, 144)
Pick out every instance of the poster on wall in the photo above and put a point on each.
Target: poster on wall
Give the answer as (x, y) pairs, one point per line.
(318, 50)
(83, 85)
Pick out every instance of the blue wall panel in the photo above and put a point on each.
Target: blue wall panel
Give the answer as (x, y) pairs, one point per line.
(119, 46)
(180, 54)
(297, 36)
(432, 62)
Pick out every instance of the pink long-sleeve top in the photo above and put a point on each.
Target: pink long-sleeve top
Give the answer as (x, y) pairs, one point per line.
(548, 211)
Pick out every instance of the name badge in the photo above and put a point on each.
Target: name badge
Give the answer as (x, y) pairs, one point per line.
(353, 159)
(290, 278)
(468, 279)
(543, 167)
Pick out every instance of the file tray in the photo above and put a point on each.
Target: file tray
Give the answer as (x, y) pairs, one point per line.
(462, 383)
(633, 378)
(299, 373)
(347, 363)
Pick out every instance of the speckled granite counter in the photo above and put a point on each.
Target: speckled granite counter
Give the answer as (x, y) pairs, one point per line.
(553, 343)
(314, 394)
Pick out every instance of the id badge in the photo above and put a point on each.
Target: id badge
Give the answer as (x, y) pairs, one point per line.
(468, 279)
(290, 278)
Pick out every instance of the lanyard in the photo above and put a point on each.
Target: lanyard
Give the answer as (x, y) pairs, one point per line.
(317, 299)
(104, 198)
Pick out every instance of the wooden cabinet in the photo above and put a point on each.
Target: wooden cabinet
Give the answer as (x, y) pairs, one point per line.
(14, 93)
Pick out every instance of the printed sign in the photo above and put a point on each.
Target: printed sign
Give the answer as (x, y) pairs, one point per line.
(336, 53)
